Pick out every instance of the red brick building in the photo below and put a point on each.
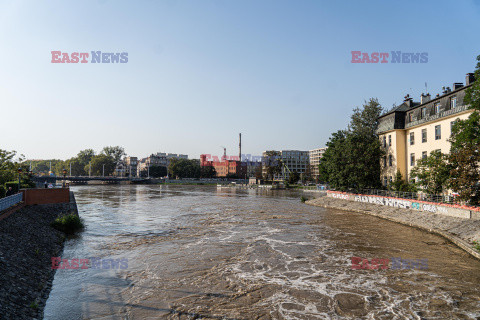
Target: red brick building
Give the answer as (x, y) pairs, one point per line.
(224, 167)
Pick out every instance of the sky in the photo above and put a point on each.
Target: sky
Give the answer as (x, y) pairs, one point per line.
(201, 72)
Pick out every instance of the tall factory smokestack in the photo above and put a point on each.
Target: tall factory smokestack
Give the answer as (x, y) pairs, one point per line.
(240, 148)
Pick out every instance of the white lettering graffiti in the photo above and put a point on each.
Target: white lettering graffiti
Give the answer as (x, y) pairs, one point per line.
(340, 196)
(396, 203)
(429, 208)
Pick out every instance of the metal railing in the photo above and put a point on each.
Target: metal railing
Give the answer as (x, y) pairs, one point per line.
(419, 196)
(9, 201)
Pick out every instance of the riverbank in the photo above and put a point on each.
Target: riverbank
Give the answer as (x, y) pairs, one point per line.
(27, 243)
(461, 232)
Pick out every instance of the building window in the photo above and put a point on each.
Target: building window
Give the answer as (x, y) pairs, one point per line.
(385, 181)
(453, 102)
(438, 133)
(424, 154)
(389, 140)
(412, 159)
(412, 138)
(384, 161)
(423, 113)
(390, 179)
(390, 160)
(437, 108)
(424, 135)
(384, 142)
(410, 117)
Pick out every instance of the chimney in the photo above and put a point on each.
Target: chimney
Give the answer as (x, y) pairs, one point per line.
(240, 148)
(448, 90)
(408, 100)
(457, 85)
(469, 79)
(424, 98)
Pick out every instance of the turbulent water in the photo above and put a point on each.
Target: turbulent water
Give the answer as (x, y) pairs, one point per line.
(195, 252)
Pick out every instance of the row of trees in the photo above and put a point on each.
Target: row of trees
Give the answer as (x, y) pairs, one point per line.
(84, 163)
(352, 157)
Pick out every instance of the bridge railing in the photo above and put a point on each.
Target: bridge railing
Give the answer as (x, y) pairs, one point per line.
(10, 201)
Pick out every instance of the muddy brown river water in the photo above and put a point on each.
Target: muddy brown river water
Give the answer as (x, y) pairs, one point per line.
(198, 252)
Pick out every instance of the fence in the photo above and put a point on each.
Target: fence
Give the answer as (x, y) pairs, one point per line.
(420, 196)
(9, 201)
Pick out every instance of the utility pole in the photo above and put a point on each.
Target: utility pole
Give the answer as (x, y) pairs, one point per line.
(89, 169)
(70, 169)
(103, 172)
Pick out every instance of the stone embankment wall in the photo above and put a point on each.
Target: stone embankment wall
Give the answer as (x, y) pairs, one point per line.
(27, 243)
(431, 207)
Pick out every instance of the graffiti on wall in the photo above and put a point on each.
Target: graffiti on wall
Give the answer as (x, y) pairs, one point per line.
(397, 203)
(339, 196)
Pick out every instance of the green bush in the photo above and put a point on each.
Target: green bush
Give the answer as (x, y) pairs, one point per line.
(476, 246)
(13, 184)
(2, 191)
(303, 199)
(68, 224)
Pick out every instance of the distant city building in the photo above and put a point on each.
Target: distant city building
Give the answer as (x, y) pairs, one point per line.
(252, 167)
(315, 155)
(292, 161)
(225, 167)
(131, 166)
(159, 159)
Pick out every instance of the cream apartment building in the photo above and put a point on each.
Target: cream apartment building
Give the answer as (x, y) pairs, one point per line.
(413, 130)
(315, 155)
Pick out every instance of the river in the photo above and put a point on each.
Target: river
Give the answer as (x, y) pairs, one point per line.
(198, 252)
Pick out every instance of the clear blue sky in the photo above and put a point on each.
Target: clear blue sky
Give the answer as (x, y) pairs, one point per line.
(200, 72)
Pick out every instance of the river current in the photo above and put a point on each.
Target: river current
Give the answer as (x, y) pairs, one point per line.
(198, 252)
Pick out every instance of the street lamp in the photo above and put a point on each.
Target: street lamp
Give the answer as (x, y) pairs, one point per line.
(19, 173)
(64, 175)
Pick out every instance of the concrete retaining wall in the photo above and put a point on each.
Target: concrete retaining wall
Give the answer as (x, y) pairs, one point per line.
(431, 207)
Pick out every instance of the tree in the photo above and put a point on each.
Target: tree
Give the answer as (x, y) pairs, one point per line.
(208, 172)
(465, 158)
(432, 173)
(116, 153)
(399, 184)
(472, 94)
(293, 177)
(155, 172)
(76, 166)
(99, 162)
(333, 164)
(184, 168)
(272, 163)
(84, 157)
(352, 158)
(8, 168)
